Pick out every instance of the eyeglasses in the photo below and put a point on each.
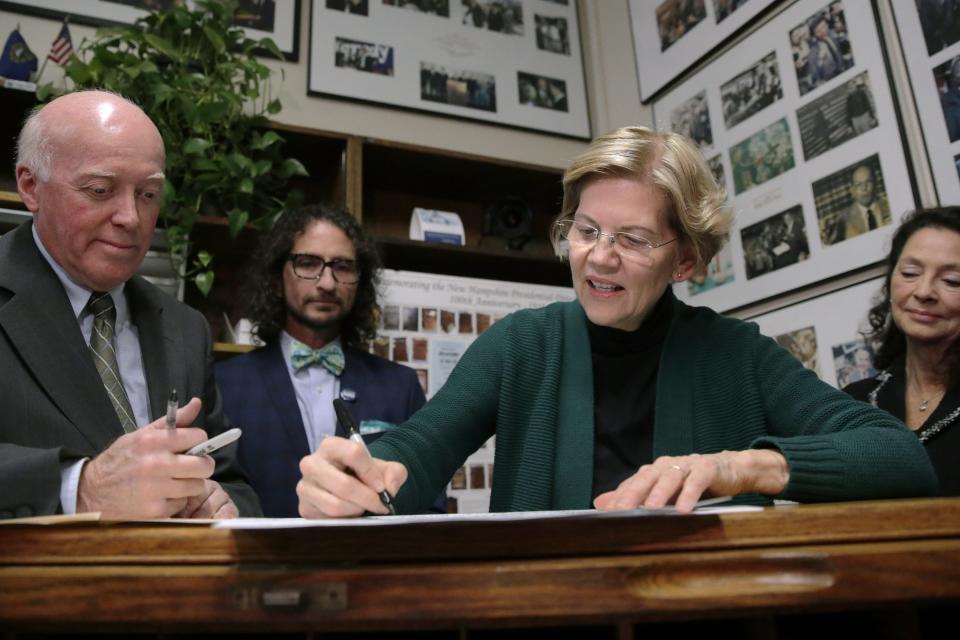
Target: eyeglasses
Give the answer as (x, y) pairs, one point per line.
(310, 267)
(627, 245)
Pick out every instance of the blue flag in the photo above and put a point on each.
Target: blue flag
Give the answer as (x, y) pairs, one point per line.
(17, 61)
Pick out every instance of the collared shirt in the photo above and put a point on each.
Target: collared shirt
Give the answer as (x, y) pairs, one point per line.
(129, 360)
(315, 389)
(864, 218)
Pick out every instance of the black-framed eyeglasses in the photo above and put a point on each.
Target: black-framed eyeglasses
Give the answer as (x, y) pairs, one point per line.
(627, 245)
(310, 267)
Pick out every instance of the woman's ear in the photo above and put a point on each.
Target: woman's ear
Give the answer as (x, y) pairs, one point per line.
(686, 262)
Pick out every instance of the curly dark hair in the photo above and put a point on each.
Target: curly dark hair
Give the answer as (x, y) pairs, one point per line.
(885, 336)
(264, 292)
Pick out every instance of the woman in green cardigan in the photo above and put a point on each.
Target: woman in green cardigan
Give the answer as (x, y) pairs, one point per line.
(627, 397)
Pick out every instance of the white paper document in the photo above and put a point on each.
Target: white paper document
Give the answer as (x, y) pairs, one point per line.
(704, 507)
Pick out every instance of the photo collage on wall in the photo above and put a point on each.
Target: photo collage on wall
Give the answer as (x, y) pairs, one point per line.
(797, 124)
(930, 35)
(513, 62)
(671, 35)
(278, 20)
(827, 334)
(427, 321)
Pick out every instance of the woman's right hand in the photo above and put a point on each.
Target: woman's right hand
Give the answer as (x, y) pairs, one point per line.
(341, 480)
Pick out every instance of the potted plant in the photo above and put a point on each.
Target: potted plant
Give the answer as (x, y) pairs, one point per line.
(197, 76)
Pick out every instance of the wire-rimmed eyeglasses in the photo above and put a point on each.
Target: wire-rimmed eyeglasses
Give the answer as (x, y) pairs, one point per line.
(628, 245)
(310, 267)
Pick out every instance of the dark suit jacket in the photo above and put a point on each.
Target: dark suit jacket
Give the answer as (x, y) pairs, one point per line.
(258, 397)
(53, 407)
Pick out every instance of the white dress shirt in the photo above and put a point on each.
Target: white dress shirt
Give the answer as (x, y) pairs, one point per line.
(126, 341)
(315, 388)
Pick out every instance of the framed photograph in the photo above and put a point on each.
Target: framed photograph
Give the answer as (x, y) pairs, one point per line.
(278, 20)
(807, 145)
(826, 333)
(669, 36)
(505, 62)
(930, 36)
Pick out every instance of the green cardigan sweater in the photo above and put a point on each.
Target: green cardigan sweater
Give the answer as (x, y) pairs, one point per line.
(721, 385)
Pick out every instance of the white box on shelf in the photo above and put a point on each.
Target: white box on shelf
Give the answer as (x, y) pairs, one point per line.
(431, 225)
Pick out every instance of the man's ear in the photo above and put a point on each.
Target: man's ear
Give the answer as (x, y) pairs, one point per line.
(27, 184)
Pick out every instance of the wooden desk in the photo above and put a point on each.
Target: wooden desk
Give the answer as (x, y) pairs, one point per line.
(458, 575)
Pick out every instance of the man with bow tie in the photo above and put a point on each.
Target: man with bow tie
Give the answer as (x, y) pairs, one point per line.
(312, 300)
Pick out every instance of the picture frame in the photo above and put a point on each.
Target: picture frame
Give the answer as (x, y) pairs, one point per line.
(278, 20)
(670, 36)
(457, 58)
(826, 333)
(817, 174)
(931, 48)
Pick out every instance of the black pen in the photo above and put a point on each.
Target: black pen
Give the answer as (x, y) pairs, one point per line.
(343, 415)
(171, 420)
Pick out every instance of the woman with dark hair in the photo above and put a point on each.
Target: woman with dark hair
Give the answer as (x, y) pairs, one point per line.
(914, 331)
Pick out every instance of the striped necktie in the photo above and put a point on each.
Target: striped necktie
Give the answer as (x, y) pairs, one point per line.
(105, 358)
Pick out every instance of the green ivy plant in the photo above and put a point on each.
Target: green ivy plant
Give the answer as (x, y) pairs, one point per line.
(197, 76)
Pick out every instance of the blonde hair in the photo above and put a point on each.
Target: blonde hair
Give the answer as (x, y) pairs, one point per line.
(697, 206)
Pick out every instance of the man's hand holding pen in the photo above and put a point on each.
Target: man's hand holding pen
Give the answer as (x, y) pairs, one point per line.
(342, 480)
(143, 474)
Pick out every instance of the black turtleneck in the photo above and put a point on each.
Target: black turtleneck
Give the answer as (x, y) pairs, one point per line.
(625, 365)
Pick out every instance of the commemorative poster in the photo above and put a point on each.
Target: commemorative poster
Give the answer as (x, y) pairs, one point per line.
(427, 322)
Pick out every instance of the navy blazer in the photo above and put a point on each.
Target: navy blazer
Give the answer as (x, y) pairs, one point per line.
(258, 397)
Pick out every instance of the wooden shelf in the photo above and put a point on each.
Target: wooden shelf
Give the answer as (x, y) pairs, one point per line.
(223, 350)
(10, 197)
(474, 262)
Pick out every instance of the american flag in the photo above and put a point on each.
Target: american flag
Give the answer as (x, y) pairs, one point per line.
(62, 47)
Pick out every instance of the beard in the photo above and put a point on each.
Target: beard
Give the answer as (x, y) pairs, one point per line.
(324, 325)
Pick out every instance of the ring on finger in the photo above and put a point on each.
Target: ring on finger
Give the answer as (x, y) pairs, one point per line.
(678, 468)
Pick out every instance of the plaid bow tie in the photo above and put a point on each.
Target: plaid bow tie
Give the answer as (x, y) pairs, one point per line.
(329, 357)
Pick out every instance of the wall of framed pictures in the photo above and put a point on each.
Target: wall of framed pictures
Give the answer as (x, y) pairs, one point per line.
(671, 35)
(274, 19)
(798, 123)
(505, 62)
(826, 333)
(930, 37)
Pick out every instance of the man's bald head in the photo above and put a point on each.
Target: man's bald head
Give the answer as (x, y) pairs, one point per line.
(90, 168)
(60, 120)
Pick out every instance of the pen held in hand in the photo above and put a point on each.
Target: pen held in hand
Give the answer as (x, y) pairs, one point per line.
(171, 419)
(345, 419)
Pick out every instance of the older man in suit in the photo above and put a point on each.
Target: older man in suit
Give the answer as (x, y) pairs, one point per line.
(90, 352)
(312, 300)
(870, 210)
(828, 57)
